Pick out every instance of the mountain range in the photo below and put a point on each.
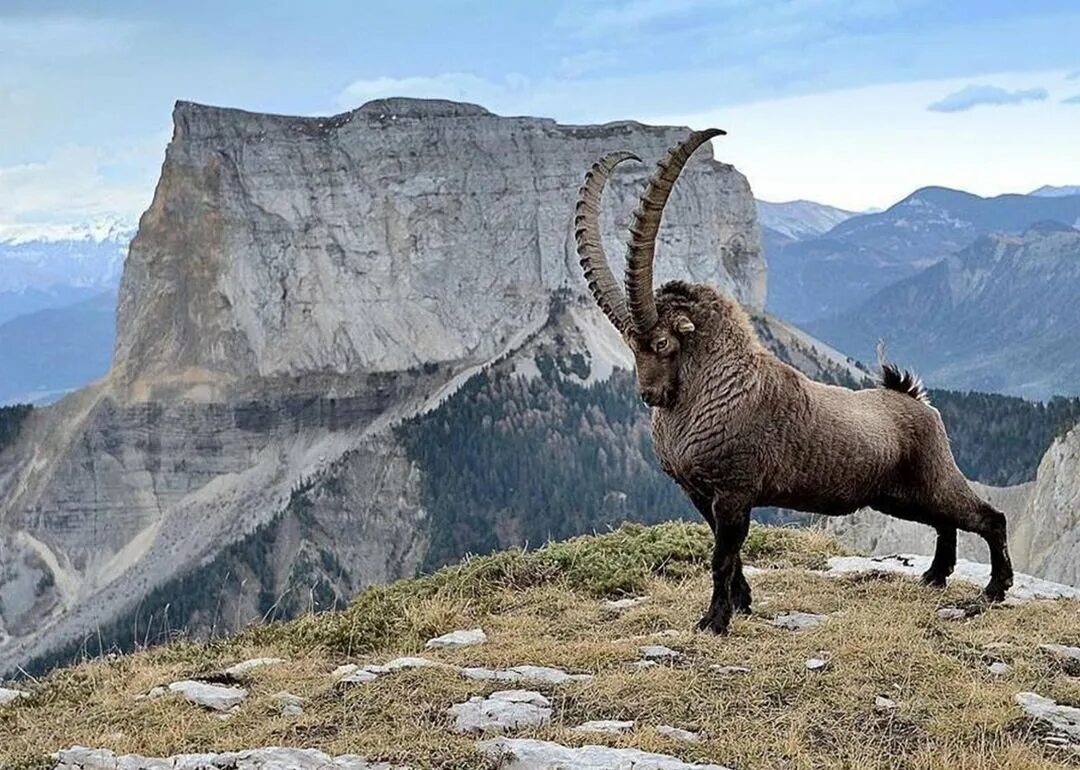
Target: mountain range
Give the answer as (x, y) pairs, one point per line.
(999, 315)
(832, 273)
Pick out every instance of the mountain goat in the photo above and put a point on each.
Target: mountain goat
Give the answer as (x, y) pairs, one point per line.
(736, 427)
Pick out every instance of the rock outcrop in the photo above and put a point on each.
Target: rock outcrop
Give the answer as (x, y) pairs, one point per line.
(297, 287)
(403, 233)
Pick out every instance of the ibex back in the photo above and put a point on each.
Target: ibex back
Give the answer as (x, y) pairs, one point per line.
(738, 428)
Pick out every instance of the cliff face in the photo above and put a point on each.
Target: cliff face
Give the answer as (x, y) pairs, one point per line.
(402, 233)
(298, 286)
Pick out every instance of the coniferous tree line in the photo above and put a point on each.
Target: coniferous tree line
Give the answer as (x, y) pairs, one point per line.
(11, 420)
(509, 460)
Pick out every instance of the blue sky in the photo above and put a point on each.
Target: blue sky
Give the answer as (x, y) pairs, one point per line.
(853, 103)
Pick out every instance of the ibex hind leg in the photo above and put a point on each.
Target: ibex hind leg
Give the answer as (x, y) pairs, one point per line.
(972, 514)
(944, 557)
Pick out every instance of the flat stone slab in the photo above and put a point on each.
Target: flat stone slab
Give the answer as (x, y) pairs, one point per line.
(525, 673)
(1025, 588)
(529, 754)
(998, 668)
(291, 705)
(627, 603)
(79, 758)
(613, 726)
(951, 613)
(353, 674)
(212, 696)
(455, 639)
(248, 665)
(658, 652)
(1062, 651)
(10, 696)
(816, 664)
(1064, 720)
(678, 734)
(883, 705)
(500, 711)
(797, 621)
(729, 670)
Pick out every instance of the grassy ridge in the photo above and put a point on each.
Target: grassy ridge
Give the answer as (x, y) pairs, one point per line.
(546, 607)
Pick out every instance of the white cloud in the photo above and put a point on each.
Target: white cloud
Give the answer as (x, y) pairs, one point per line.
(458, 86)
(969, 97)
(857, 148)
(74, 184)
(51, 37)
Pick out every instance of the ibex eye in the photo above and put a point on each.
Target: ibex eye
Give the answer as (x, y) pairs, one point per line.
(661, 345)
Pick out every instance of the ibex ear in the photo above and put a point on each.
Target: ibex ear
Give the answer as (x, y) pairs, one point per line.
(684, 325)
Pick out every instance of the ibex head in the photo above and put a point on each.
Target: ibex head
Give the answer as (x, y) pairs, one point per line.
(657, 331)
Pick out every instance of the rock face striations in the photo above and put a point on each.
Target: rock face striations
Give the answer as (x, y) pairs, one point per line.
(297, 286)
(403, 233)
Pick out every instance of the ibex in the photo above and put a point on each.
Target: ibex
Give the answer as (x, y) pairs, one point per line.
(736, 427)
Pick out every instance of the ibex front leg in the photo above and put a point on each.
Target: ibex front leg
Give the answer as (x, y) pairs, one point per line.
(741, 595)
(731, 522)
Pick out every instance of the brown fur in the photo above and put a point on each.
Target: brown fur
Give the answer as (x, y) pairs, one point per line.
(738, 428)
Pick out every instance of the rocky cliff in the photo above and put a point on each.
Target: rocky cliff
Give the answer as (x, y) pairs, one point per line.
(402, 233)
(298, 286)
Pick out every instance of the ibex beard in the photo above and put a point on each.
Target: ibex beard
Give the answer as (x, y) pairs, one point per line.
(738, 428)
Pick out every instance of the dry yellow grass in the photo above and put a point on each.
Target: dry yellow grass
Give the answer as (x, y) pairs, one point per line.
(882, 638)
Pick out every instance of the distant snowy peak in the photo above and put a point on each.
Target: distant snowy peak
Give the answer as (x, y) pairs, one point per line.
(50, 257)
(100, 230)
(1049, 191)
(800, 219)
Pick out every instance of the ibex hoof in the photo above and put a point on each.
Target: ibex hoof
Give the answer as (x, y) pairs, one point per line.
(934, 578)
(714, 625)
(995, 592)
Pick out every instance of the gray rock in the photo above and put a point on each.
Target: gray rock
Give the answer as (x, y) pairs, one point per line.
(454, 639)
(1062, 651)
(359, 676)
(605, 726)
(528, 754)
(951, 613)
(10, 696)
(407, 662)
(500, 711)
(627, 603)
(659, 652)
(816, 664)
(1026, 588)
(678, 734)
(644, 664)
(79, 758)
(1065, 720)
(729, 670)
(525, 673)
(212, 696)
(797, 621)
(998, 668)
(884, 705)
(291, 705)
(249, 665)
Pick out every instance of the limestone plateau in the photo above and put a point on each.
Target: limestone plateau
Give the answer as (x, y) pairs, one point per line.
(297, 286)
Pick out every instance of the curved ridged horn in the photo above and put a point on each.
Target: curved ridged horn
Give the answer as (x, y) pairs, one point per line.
(642, 248)
(605, 289)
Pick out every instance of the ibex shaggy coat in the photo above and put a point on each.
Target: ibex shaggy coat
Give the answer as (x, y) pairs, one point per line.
(738, 428)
